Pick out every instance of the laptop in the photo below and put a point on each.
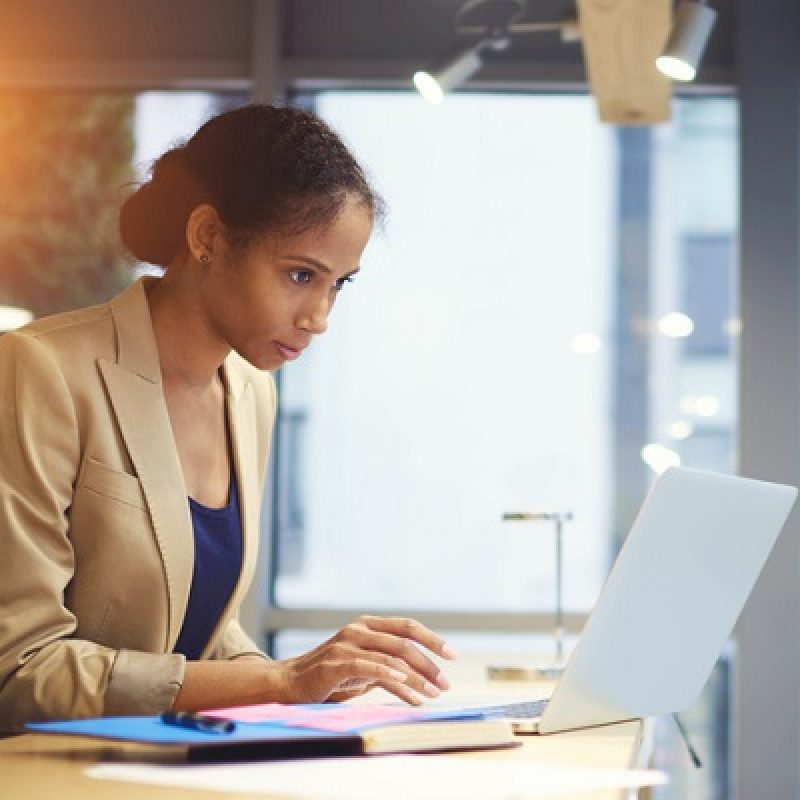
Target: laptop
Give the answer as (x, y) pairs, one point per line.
(670, 603)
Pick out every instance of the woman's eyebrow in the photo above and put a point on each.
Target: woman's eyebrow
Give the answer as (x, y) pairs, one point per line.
(312, 262)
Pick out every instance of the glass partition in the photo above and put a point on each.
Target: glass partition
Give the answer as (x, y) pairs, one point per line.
(542, 281)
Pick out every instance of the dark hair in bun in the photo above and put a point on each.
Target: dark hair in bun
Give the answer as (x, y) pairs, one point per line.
(262, 168)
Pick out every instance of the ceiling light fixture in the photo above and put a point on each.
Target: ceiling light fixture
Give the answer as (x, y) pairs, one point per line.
(485, 25)
(690, 31)
(449, 74)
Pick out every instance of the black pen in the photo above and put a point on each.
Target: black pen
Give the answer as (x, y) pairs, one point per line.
(198, 722)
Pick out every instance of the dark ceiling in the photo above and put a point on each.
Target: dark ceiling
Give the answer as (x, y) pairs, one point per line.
(346, 37)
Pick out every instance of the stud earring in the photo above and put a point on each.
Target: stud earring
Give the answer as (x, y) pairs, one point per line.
(205, 259)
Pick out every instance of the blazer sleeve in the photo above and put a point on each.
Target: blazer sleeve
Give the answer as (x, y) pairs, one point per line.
(45, 673)
(235, 643)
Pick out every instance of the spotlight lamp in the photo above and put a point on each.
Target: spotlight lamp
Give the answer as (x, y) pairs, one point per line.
(694, 20)
(451, 72)
(481, 26)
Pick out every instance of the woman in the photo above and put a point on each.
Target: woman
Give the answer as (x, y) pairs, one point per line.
(134, 438)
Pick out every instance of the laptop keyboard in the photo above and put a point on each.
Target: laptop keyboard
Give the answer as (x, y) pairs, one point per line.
(527, 710)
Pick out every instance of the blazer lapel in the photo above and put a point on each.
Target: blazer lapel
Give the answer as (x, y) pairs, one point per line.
(244, 447)
(134, 387)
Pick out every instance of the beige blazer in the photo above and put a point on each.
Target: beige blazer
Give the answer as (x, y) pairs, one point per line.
(96, 543)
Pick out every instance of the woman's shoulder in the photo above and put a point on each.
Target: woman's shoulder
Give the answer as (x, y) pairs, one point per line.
(89, 321)
(66, 321)
(55, 354)
(64, 333)
(68, 343)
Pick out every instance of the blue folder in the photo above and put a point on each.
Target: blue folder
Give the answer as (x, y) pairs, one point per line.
(249, 740)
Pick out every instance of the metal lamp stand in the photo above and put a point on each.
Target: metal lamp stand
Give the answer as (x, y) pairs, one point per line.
(553, 670)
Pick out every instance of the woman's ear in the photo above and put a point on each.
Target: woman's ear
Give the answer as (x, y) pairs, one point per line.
(203, 232)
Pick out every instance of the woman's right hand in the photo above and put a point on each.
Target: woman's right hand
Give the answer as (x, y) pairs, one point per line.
(385, 652)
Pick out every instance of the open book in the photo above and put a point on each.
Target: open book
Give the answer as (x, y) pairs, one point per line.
(278, 731)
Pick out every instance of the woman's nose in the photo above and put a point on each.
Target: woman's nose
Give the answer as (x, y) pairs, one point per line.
(314, 317)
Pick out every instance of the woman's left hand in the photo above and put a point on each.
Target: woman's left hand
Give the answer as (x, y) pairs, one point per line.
(348, 664)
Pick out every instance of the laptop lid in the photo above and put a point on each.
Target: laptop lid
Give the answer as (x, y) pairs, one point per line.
(673, 596)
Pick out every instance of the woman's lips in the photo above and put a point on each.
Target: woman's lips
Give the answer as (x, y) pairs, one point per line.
(289, 353)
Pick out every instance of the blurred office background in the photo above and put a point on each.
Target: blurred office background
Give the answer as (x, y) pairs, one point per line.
(556, 310)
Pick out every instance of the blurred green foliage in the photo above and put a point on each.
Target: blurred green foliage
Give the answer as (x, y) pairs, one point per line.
(65, 167)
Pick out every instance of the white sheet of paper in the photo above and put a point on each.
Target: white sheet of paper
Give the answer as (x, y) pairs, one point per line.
(402, 777)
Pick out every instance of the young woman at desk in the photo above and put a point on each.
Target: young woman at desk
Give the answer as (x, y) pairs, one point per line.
(134, 439)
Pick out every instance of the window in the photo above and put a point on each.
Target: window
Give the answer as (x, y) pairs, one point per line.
(465, 372)
(507, 326)
(548, 320)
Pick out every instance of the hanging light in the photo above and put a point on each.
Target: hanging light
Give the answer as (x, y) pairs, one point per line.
(452, 72)
(684, 49)
(482, 25)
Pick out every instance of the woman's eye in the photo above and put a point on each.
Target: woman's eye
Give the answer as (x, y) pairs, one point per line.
(342, 281)
(300, 275)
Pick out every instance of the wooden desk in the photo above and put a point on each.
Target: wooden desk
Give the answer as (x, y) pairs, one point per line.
(33, 767)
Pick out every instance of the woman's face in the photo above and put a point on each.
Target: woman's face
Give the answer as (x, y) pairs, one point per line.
(268, 300)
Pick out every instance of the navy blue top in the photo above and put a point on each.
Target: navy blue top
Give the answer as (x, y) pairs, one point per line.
(217, 564)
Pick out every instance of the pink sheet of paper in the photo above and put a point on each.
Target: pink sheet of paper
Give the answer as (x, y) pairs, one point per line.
(337, 718)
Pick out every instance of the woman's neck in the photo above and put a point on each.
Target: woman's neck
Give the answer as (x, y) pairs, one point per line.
(189, 351)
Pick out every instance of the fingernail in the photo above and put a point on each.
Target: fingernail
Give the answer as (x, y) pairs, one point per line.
(396, 675)
(442, 681)
(448, 651)
(430, 690)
